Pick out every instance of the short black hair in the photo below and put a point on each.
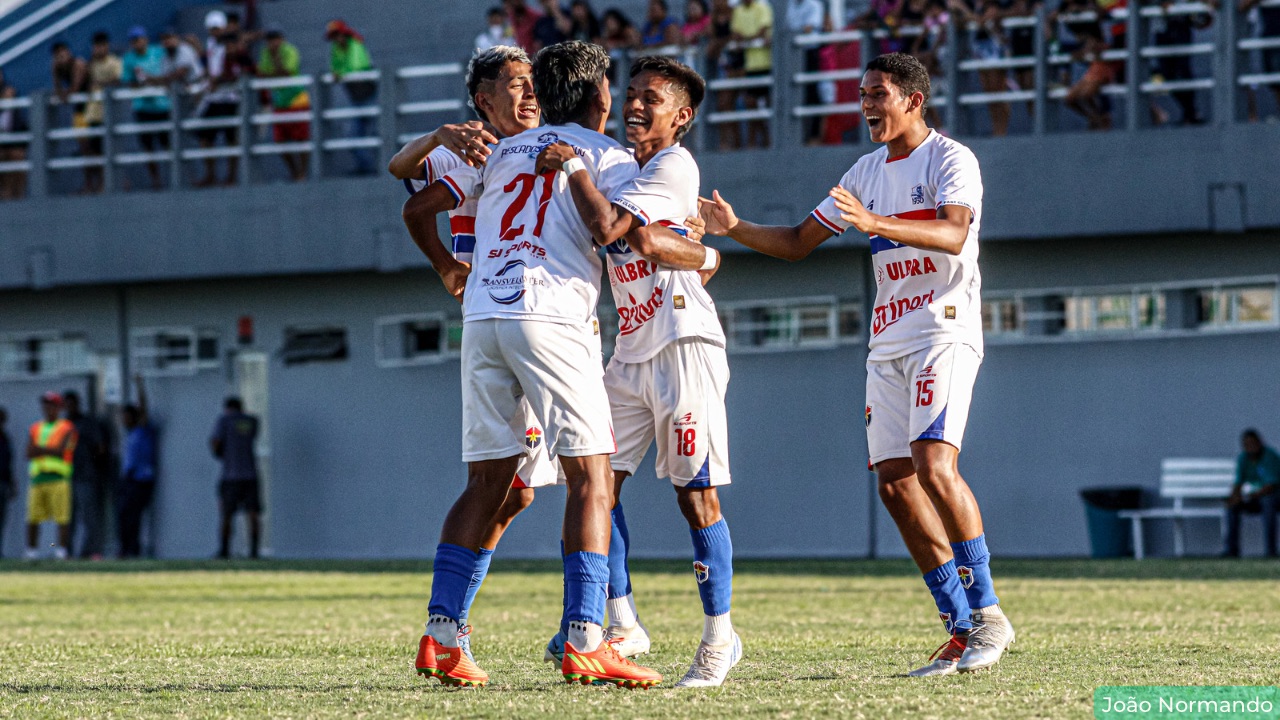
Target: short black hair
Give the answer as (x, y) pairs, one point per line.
(690, 88)
(233, 403)
(59, 45)
(101, 37)
(496, 10)
(906, 72)
(70, 395)
(1251, 433)
(567, 78)
(233, 17)
(486, 66)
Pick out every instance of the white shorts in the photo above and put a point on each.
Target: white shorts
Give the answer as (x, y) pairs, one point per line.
(556, 367)
(677, 398)
(537, 467)
(921, 396)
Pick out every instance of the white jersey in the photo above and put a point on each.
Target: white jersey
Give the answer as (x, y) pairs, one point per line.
(922, 298)
(462, 219)
(535, 259)
(657, 306)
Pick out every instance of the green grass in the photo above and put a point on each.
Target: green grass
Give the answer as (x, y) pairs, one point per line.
(823, 639)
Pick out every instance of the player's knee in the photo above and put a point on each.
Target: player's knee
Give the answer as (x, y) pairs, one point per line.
(700, 507)
(937, 478)
(518, 499)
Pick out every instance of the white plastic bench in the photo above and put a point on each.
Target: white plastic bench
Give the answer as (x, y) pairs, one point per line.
(1199, 480)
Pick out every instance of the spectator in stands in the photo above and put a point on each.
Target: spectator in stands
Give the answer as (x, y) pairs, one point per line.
(348, 54)
(1179, 28)
(1085, 95)
(281, 59)
(69, 77)
(232, 443)
(586, 27)
(929, 48)
(752, 24)
(729, 60)
(226, 64)
(521, 18)
(137, 472)
(144, 65)
(105, 69)
(181, 60)
(8, 487)
(1022, 43)
(1256, 490)
(659, 27)
(86, 486)
(553, 27)
(13, 185)
(50, 446)
(697, 23)
(1268, 27)
(989, 44)
(618, 36)
(497, 32)
(803, 18)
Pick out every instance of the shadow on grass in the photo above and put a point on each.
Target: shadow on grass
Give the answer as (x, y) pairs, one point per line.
(1065, 568)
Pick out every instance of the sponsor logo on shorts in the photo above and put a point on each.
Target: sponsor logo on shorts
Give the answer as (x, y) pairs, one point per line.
(950, 312)
(677, 301)
(685, 420)
(532, 438)
(701, 572)
(926, 372)
(917, 195)
(868, 416)
(966, 576)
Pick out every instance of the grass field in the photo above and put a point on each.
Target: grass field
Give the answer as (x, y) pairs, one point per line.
(822, 639)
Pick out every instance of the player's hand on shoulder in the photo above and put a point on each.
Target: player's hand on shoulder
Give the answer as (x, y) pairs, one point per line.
(851, 210)
(554, 156)
(717, 213)
(469, 140)
(697, 228)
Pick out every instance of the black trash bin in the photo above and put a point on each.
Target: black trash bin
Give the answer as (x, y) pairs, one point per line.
(1109, 534)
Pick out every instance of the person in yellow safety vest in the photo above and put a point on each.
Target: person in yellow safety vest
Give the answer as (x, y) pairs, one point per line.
(50, 448)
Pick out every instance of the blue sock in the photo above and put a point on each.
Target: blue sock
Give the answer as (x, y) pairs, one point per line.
(953, 606)
(973, 567)
(564, 600)
(713, 566)
(585, 576)
(453, 569)
(477, 579)
(619, 548)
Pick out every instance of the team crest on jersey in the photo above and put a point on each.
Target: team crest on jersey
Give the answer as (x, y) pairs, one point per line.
(532, 438)
(966, 576)
(678, 302)
(950, 312)
(868, 416)
(701, 572)
(917, 195)
(548, 137)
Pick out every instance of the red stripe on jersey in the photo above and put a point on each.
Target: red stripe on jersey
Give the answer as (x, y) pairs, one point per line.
(829, 225)
(914, 215)
(462, 225)
(429, 175)
(896, 159)
(453, 188)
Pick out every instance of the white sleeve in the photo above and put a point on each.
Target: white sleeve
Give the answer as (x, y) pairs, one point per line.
(959, 181)
(827, 214)
(659, 192)
(463, 182)
(440, 162)
(615, 168)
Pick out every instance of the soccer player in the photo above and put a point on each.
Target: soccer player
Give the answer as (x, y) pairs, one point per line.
(919, 199)
(668, 374)
(500, 90)
(528, 309)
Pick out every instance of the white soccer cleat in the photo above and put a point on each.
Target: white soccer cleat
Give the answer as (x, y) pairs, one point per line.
(629, 642)
(711, 664)
(944, 659)
(992, 634)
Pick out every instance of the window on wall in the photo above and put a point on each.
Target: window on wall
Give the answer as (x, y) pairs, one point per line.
(422, 339)
(43, 355)
(1109, 312)
(173, 350)
(1002, 317)
(791, 324)
(1241, 306)
(314, 344)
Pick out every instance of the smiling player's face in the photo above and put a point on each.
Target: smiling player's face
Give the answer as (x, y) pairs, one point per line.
(510, 103)
(653, 110)
(884, 106)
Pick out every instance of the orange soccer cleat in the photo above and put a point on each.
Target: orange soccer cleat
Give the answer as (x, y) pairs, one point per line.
(605, 666)
(449, 665)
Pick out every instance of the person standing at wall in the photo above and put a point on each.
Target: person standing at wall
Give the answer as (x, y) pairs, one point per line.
(137, 472)
(348, 54)
(280, 58)
(233, 444)
(50, 448)
(144, 65)
(8, 489)
(1256, 490)
(105, 69)
(86, 486)
(752, 25)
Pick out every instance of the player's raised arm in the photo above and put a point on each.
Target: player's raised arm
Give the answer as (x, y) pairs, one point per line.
(419, 214)
(786, 243)
(469, 141)
(946, 234)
